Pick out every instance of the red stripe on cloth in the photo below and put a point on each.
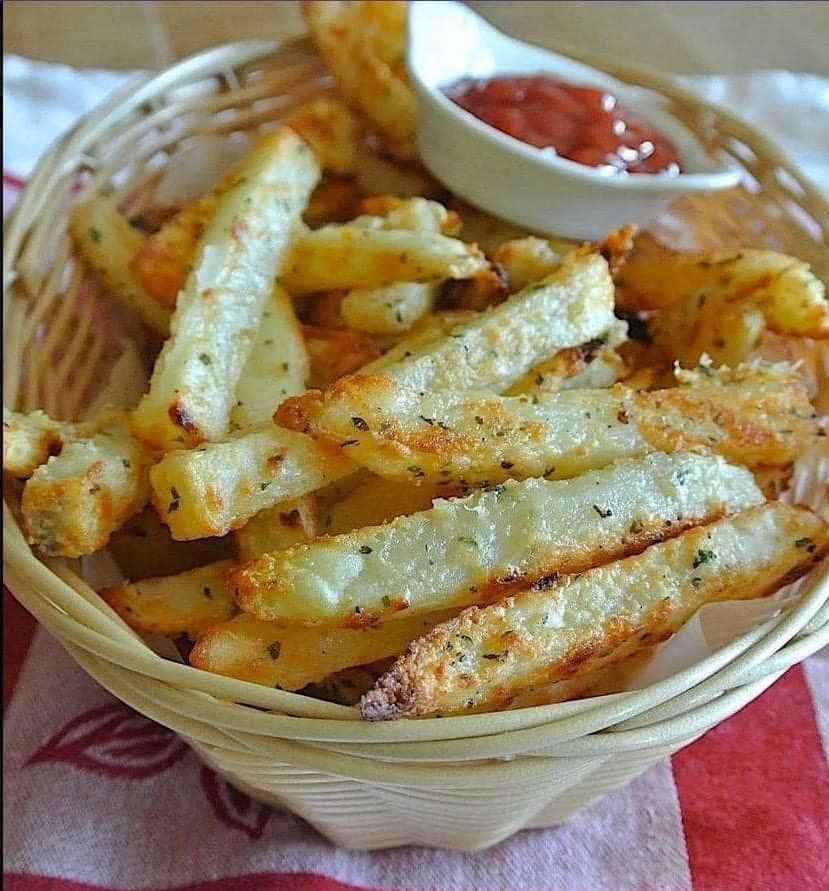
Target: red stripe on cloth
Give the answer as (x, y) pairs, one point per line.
(18, 631)
(253, 882)
(13, 181)
(754, 796)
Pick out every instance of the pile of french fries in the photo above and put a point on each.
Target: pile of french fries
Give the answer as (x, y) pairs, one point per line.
(381, 464)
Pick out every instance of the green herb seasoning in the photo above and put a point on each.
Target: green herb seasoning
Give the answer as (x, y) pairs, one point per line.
(274, 650)
(702, 556)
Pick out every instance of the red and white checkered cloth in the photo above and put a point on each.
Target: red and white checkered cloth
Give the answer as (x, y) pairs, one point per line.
(96, 796)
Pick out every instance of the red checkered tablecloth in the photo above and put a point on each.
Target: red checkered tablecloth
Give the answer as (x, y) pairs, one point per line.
(97, 796)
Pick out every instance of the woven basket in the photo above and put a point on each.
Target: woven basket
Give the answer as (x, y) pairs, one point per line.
(463, 782)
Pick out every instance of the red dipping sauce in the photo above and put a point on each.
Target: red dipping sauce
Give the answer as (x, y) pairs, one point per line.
(583, 124)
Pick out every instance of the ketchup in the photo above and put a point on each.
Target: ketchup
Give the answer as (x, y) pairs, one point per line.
(583, 124)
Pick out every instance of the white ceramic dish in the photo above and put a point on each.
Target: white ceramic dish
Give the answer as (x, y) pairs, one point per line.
(447, 42)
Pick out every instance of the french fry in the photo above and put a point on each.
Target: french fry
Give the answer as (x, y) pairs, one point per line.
(485, 289)
(166, 257)
(526, 260)
(363, 43)
(276, 367)
(30, 440)
(590, 365)
(357, 256)
(334, 200)
(496, 347)
(375, 501)
(162, 264)
(347, 686)
(107, 243)
(614, 675)
(331, 129)
(218, 487)
(753, 415)
(143, 547)
(726, 334)
(72, 504)
(288, 524)
(194, 381)
(323, 310)
(291, 658)
(416, 214)
(427, 333)
(334, 352)
(479, 548)
(810, 356)
(575, 626)
(791, 298)
(377, 174)
(392, 309)
(188, 603)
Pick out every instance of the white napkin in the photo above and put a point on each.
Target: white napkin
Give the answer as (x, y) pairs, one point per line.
(43, 100)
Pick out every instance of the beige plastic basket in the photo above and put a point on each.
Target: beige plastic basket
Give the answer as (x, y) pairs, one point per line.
(464, 782)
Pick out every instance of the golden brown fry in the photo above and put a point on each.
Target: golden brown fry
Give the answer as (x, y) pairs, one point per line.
(107, 243)
(726, 334)
(526, 260)
(477, 549)
(30, 440)
(332, 131)
(590, 365)
(335, 200)
(375, 501)
(357, 256)
(493, 349)
(290, 658)
(143, 547)
(218, 487)
(484, 289)
(188, 603)
(752, 415)
(276, 367)
(486, 657)
(347, 686)
(719, 303)
(194, 380)
(415, 214)
(275, 528)
(430, 331)
(362, 43)
(166, 257)
(392, 309)
(73, 503)
(334, 352)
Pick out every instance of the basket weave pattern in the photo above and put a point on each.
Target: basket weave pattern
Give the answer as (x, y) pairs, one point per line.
(464, 782)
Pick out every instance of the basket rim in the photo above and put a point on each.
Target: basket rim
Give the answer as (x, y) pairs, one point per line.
(41, 589)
